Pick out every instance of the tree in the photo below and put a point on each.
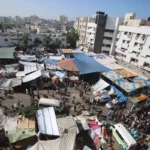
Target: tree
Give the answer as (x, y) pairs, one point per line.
(37, 41)
(57, 43)
(72, 38)
(29, 112)
(25, 40)
(47, 40)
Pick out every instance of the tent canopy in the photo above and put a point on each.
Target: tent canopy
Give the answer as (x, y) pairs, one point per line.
(112, 75)
(126, 73)
(47, 123)
(32, 76)
(28, 57)
(141, 81)
(100, 85)
(85, 64)
(18, 135)
(127, 86)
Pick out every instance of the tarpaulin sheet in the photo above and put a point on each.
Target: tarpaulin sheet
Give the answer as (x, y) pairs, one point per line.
(112, 75)
(51, 61)
(141, 81)
(100, 85)
(86, 64)
(60, 74)
(56, 57)
(126, 73)
(28, 67)
(65, 142)
(120, 96)
(32, 76)
(20, 74)
(127, 86)
(47, 123)
(28, 57)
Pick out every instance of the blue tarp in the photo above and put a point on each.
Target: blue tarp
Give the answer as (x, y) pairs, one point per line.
(86, 64)
(120, 95)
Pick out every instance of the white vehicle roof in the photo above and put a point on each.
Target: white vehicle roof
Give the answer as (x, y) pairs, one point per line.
(125, 134)
(52, 102)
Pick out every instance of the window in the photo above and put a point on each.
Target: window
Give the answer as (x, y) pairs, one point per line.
(30, 39)
(20, 39)
(63, 39)
(6, 40)
(123, 41)
(125, 33)
(128, 42)
(135, 44)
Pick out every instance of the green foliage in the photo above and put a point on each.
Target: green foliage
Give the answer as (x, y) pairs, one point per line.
(37, 41)
(25, 40)
(57, 43)
(72, 38)
(47, 40)
(29, 112)
(4, 26)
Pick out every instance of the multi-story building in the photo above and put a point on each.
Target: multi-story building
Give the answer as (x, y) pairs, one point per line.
(14, 39)
(35, 20)
(98, 33)
(133, 42)
(63, 19)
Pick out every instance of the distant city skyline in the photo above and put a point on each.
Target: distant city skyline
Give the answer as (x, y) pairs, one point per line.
(50, 9)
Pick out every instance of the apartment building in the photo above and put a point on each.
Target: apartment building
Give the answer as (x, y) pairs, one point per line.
(63, 19)
(98, 33)
(13, 40)
(133, 42)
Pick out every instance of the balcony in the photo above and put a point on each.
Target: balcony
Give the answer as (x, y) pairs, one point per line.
(108, 42)
(121, 51)
(104, 48)
(91, 30)
(127, 37)
(140, 38)
(108, 34)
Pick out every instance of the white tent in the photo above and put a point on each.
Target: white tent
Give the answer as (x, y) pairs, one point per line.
(100, 85)
(28, 67)
(65, 142)
(28, 57)
(20, 74)
(47, 123)
(56, 57)
(32, 76)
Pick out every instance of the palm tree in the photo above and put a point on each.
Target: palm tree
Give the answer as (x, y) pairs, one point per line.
(47, 40)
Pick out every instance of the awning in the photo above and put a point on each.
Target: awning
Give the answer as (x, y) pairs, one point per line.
(126, 73)
(100, 85)
(47, 123)
(32, 76)
(112, 75)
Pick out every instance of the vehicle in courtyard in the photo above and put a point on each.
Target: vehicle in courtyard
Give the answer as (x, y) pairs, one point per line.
(123, 137)
(58, 105)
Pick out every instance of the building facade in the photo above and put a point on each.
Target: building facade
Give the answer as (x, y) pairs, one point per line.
(63, 19)
(98, 33)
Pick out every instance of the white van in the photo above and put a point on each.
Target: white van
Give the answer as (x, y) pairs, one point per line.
(44, 102)
(123, 137)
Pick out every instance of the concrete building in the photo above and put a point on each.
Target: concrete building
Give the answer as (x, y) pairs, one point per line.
(35, 20)
(63, 28)
(13, 40)
(98, 33)
(42, 29)
(63, 19)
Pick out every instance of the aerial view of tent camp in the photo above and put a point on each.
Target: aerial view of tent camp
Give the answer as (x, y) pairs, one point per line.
(71, 100)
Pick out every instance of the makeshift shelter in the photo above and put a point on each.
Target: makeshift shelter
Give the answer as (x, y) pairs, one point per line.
(12, 67)
(20, 74)
(112, 75)
(51, 61)
(32, 76)
(126, 73)
(28, 67)
(18, 135)
(65, 142)
(45, 74)
(68, 64)
(56, 57)
(127, 86)
(100, 85)
(47, 123)
(141, 81)
(138, 98)
(86, 64)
